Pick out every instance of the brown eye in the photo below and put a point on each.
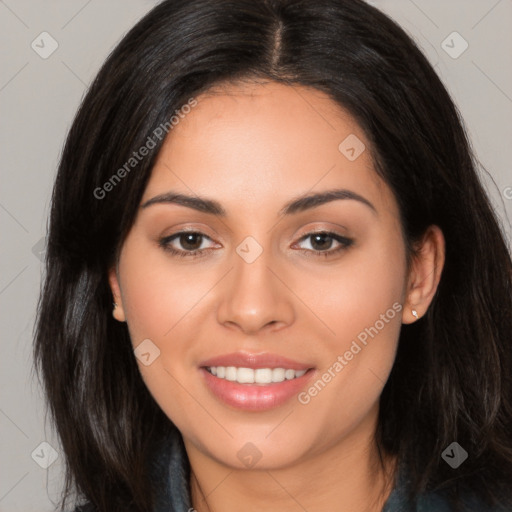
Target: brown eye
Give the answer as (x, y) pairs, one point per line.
(322, 242)
(185, 243)
(190, 241)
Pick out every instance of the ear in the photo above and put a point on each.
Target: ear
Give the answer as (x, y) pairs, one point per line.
(118, 311)
(425, 273)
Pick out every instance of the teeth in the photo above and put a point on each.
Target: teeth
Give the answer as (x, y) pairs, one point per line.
(278, 374)
(230, 373)
(250, 376)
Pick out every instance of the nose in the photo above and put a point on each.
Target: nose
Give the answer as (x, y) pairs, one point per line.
(255, 296)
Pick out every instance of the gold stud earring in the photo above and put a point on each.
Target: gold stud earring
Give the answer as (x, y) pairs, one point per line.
(415, 314)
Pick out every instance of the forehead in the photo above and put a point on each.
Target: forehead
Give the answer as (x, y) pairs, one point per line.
(265, 141)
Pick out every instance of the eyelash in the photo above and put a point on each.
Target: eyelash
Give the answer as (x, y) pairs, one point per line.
(344, 242)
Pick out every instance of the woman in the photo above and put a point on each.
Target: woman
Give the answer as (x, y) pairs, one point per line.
(274, 280)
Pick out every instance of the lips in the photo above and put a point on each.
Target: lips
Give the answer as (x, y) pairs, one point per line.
(255, 361)
(255, 396)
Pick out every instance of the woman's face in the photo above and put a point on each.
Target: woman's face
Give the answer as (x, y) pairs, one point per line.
(264, 292)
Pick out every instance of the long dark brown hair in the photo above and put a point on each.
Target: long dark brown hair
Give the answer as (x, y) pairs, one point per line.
(452, 379)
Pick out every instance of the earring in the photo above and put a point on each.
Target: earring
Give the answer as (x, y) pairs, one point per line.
(118, 313)
(414, 314)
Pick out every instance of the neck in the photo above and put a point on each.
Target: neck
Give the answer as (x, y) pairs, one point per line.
(347, 476)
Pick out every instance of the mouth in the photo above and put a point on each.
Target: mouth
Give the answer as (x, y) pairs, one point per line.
(255, 382)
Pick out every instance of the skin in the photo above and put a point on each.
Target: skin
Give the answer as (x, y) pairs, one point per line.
(253, 147)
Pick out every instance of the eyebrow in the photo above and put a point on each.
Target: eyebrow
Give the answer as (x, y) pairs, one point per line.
(296, 205)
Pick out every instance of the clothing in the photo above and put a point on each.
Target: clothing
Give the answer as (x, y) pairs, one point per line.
(173, 493)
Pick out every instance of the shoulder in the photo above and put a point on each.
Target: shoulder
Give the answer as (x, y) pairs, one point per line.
(170, 473)
(435, 501)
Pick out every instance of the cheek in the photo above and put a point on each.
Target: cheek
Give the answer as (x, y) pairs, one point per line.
(162, 302)
(361, 304)
(159, 304)
(157, 295)
(359, 292)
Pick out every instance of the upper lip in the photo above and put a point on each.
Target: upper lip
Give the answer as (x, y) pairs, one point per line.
(255, 361)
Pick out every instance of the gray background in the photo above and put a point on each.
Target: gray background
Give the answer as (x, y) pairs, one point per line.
(38, 99)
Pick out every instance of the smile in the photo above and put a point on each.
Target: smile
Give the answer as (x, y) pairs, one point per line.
(255, 381)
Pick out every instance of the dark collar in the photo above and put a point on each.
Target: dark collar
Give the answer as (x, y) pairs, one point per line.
(171, 474)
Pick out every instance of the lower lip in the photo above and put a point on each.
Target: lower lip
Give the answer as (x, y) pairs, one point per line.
(255, 397)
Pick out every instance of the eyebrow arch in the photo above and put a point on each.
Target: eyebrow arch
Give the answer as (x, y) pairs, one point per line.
(296, 205)
(195, 202)
(306, 202)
